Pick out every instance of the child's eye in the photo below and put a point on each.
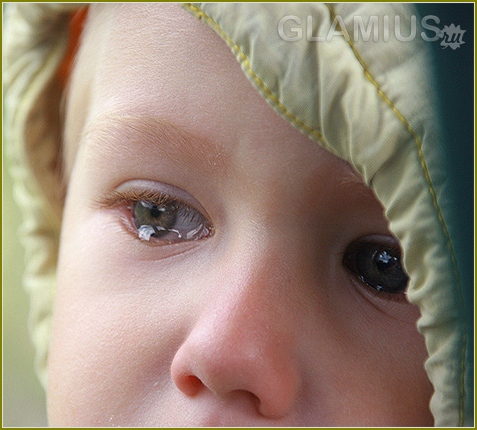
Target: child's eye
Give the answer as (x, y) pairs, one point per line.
(157, 217)
(376, 261)
(169, 221)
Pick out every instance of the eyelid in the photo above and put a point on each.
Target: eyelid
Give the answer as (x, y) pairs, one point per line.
(156, 192)
(386, 239)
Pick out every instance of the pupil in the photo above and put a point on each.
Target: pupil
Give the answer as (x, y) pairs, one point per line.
(156, 212)
(385, 261)
(161, 218)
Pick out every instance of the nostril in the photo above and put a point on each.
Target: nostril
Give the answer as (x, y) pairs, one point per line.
(190, 385)
(254, 400)
(183, 376)
(194, 384)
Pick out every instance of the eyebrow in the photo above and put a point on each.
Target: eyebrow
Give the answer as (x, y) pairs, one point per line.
(113, 131)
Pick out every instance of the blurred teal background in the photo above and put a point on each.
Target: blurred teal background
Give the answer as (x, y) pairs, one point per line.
(23, 397)
(455, 74)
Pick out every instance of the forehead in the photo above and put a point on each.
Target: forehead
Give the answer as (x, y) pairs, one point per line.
(157, 60)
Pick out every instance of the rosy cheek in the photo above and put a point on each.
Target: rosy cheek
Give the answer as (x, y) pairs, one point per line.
(112, 342)
(113, 349)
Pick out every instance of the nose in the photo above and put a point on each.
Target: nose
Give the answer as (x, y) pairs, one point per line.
(243, 344)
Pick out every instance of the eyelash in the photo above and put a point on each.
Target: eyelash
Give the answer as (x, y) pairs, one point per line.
(116, 198)
(160, 204)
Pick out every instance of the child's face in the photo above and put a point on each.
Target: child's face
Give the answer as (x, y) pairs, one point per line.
(211, 254)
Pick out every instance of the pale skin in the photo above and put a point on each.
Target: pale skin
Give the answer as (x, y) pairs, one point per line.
(254, 319)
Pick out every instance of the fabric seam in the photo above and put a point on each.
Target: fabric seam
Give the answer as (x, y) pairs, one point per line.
(248, 68)
(432, 192)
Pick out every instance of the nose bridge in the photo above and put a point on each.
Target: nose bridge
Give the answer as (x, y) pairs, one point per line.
(255, 301)
(259, 287)
(245, 338)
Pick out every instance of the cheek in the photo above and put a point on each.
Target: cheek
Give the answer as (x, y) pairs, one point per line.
(371, 372)
(122, 312)
(115, 328)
